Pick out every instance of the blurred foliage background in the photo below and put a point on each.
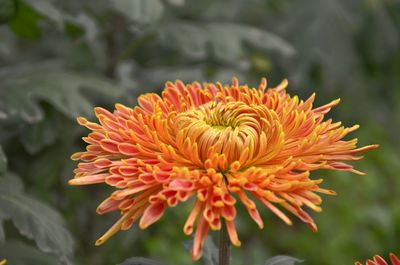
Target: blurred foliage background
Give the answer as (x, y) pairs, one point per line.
(58, 59)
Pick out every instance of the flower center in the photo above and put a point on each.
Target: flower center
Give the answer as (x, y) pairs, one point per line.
(226, 128)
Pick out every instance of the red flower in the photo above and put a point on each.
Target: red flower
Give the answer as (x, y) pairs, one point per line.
(378, 260)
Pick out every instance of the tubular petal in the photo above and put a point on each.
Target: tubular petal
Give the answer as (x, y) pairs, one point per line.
(230, 227)
(86, 180)
(199, 238)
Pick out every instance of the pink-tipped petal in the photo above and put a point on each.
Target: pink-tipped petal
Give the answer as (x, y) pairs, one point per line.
(151, 215)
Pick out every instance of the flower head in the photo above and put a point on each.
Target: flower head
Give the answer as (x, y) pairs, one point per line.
(378, 260)
(219, 145)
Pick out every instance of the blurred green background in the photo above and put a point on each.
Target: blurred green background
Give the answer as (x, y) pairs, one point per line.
(58, 59)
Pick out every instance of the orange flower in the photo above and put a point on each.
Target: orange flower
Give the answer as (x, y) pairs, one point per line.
(218, 144)
(378, 260)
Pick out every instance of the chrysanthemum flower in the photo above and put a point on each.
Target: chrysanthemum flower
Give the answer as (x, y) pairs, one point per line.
(378, 260)
(219, 145)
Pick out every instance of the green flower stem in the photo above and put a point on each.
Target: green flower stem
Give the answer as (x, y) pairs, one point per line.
(224, 246)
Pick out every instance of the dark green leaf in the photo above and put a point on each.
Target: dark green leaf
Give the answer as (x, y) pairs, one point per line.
(25, 86)
(140, 261)
(210, 251)
(47, 9)
(21, 254)
(44, 133)
(157, 75)
(140, 11)
(34, 219)
(325, 38)
(3, 161)
(185, 37)
(227, 40)
(73, 30)
(45, 168)
(386, 41)
(2, 233)
(282, 260)
(25, 23)
(8, 10)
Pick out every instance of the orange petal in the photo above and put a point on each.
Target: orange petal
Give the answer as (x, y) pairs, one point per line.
(91, 179)
(127, 149)
(276, 211)
(179, 184)
(199, 238)
(255, 215)
(230, 227)
(151, 215)
(109, 146)
(108, 205)
(188, 227)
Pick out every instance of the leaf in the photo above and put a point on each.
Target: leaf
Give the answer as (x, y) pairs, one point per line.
(8, 10)
(156, 76)
(187, 38)
(3, 161)
(140, 11)
(2, 233)
(34, 219)
(227, 40)
(22, 254)
(24, 86)
(47, 9)
(44, 133)
(325, 38)
(210, 251)
(282, 260)
(25, 23)
(140, 261)
(385, 40)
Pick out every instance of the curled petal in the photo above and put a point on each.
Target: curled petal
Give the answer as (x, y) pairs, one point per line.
(230, 227)
(199, 238)
(151, 215)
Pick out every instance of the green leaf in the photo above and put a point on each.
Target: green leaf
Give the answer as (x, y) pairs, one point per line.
(34, 219)
(2, 233)
(228, 41)
(325, 39)
(25, 23)
(23, 87)
(156, 76)
(22, 254)
(140, 11)
(282, 260)
(210, 251)
(48, 9)
(44, 133)
(3, 161)
(385, 40)
(187, 38)
(73, 30)
(8, 10)
(140, 261)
